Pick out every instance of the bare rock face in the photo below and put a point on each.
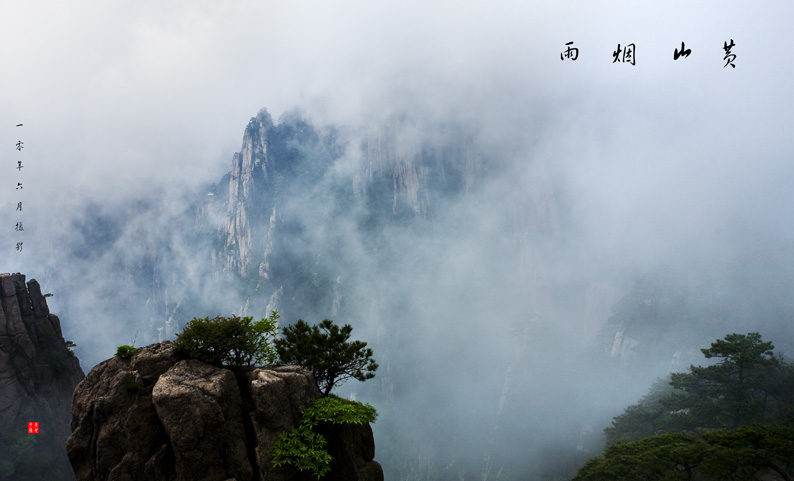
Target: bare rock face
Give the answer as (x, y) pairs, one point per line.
(200, 409)
(116, 433)
(250, 168)
(156, 417)
(38, 374)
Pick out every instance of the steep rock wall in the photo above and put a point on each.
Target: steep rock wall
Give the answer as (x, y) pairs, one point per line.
(38, 375)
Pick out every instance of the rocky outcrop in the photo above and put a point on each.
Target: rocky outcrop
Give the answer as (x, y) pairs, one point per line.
(157, 417)
(38, 374)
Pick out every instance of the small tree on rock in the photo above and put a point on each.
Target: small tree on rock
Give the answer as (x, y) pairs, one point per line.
(324, 350)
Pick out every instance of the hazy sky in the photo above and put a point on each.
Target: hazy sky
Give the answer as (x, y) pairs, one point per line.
(118, 98)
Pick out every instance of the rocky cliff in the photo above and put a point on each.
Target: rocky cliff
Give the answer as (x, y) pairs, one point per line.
(156, 417)
(38, 374)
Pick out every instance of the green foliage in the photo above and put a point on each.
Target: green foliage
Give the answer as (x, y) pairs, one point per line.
(48, 295)
(125, 351)
(336, 410)
(304, 448)
(732, 392)
(324, 350)
(748, 385)
(21, 445)
(749, 452)
(231, 341)
(741, 351)
(779, 386)
(636, 422)
(657, 439)
(669, 456)
(19, 448)
(742, 453)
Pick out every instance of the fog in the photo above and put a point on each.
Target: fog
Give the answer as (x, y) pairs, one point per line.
(586, 177)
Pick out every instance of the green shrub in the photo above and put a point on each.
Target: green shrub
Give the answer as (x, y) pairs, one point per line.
(125, 351)
(70, 348)
(304, 448)
(231, 341)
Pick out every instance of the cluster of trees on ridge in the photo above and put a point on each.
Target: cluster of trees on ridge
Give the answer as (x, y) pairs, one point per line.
(733, 420)
(236, 341)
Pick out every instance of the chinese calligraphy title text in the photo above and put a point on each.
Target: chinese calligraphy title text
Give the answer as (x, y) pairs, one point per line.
(627, 53)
